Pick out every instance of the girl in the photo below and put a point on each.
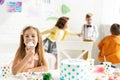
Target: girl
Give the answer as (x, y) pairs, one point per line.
(30, 58)
(57, 33)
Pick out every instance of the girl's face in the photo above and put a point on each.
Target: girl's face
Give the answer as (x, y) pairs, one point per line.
(66, 25)
(30, 35)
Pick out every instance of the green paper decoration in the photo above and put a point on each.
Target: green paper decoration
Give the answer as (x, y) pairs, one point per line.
(65, 9)
(52, 18)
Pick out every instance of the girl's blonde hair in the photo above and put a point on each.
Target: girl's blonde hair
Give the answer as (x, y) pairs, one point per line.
(20, 54)
(89, 15)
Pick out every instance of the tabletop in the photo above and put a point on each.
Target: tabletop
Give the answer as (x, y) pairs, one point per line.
(97, 72)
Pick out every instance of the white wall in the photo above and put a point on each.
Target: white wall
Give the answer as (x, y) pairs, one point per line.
(35, 12)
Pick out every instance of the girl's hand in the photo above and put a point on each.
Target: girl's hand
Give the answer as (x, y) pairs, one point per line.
(79, 35)
(30, 50)
(27, 70)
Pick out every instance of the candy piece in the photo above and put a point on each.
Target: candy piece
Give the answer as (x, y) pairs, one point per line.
(5, 71)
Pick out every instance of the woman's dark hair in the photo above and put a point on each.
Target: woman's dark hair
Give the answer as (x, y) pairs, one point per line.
(115, 29)
(61, 22)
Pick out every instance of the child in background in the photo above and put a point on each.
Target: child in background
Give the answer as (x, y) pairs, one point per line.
(89, 31)
(58, 32)
(109, 46)
(30, 58)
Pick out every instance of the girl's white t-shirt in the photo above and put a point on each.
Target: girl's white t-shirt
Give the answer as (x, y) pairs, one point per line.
(60, 35)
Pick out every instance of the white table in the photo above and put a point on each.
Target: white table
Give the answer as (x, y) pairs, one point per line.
(55, 75)
(11, 77)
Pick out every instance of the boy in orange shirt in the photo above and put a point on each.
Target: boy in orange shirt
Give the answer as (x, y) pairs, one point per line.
(109, 46)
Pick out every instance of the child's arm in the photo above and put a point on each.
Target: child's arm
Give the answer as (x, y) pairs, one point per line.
(100, 45)
(95, 32)
(18, 66)
(71, 32)
(40, 68)
(82, 30)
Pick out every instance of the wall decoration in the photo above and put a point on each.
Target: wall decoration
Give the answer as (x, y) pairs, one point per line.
(65, 9)
(14, 6)
(47, 1)
(1, 2)
(52, 18)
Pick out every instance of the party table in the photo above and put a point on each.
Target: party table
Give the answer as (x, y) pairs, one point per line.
(97, 73)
